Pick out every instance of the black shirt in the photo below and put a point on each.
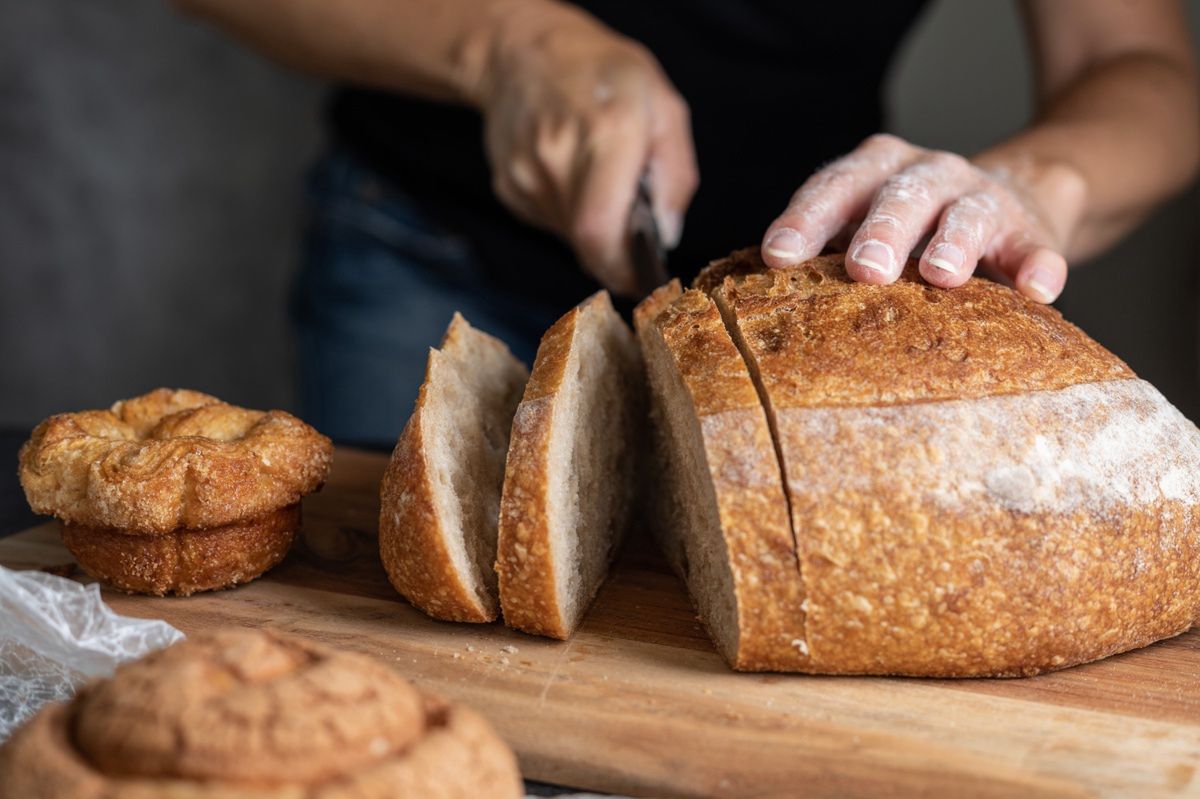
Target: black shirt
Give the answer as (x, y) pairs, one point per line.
(776, 88)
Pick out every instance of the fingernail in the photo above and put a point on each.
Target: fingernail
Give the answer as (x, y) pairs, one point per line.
(874, 255)
(785, 243)
(1038, 284)
(670, 228)
(947, 257)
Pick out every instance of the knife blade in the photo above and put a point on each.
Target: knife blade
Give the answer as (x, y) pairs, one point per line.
(646, 250)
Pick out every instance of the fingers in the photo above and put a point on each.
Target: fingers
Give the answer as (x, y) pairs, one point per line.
(966, 228)
(899, 192)
(674, 176)
(1033, 267)
(608, 174)
(831, 198)
(523, 186)
(522, 175)
(904, 209)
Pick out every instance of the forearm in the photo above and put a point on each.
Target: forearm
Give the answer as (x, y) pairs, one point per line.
(435, 48)
(1107, 148)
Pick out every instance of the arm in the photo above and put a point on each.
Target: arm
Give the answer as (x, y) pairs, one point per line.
(1117, 132)
(573, 112)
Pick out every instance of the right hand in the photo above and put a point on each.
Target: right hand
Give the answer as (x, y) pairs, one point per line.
(574, 113)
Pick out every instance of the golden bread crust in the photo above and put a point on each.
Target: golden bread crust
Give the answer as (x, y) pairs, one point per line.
(524, 557)
(184, 562)
(169, 460)
(976, 487)
(744, 472)
(412, 544)
(823, 339)
(252, 714)
(413, 537)
(1003, 536)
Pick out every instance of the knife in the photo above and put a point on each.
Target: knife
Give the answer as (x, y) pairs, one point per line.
(646, 250)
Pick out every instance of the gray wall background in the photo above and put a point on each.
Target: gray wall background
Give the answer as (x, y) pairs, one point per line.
(150, 203)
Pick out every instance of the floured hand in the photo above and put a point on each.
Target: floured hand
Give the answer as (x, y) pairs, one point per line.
(890, 195)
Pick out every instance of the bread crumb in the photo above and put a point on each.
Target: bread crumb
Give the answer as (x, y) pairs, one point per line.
(510, 649)
(503, 661)
(470, 648)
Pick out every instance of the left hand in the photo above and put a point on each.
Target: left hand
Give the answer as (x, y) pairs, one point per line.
(902, 193)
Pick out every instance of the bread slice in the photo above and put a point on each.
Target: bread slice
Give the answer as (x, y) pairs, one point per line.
(570, 477)
(440, 497)
(722, 518)
(976, 487)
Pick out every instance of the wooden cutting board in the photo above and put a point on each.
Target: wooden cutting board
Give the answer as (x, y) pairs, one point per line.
(638, 702)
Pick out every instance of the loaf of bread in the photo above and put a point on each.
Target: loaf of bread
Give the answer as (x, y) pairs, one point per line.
(722, 517)
(440, 497)
(255, 715)
(972, 486)
(571, 470)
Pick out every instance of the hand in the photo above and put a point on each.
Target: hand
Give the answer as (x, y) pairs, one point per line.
(985, 214)
(574, 113)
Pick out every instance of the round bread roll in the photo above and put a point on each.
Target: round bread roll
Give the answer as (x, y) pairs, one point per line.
(174, 491)
(249, 714)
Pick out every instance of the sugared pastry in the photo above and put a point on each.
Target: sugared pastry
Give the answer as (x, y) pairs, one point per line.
(249, 714)
(174, 491)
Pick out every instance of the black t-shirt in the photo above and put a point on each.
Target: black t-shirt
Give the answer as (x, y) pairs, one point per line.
(776, 88)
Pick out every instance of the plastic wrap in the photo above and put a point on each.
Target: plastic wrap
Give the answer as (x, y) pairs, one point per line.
(56, 634)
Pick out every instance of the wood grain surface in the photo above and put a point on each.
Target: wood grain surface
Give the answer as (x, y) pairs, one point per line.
(638, 701)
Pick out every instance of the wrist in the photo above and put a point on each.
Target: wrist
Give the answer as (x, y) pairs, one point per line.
(502, 32)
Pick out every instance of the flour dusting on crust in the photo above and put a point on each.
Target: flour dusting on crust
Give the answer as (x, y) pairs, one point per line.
(1090, 446)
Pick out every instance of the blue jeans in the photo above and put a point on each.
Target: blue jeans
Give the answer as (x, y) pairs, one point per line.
(378, 284)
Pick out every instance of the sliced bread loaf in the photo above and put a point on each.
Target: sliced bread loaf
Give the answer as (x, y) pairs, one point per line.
(722, 520)
(570, 475)
(976, 487)
(440, 497)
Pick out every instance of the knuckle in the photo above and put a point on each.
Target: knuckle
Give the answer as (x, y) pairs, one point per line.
(881, 221)
(883, 141)
(979, 203)
(965, 223)
(614, 125)
(678, 110)
(905, 189)
(839, 177)
(948, 163)
(522, 174)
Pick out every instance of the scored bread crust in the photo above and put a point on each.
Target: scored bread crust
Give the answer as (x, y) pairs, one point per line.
(255, 715)
(744, 474)
(169, 460)
(413, 534)
(183, 562)
(977, 488)
(824, 339)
